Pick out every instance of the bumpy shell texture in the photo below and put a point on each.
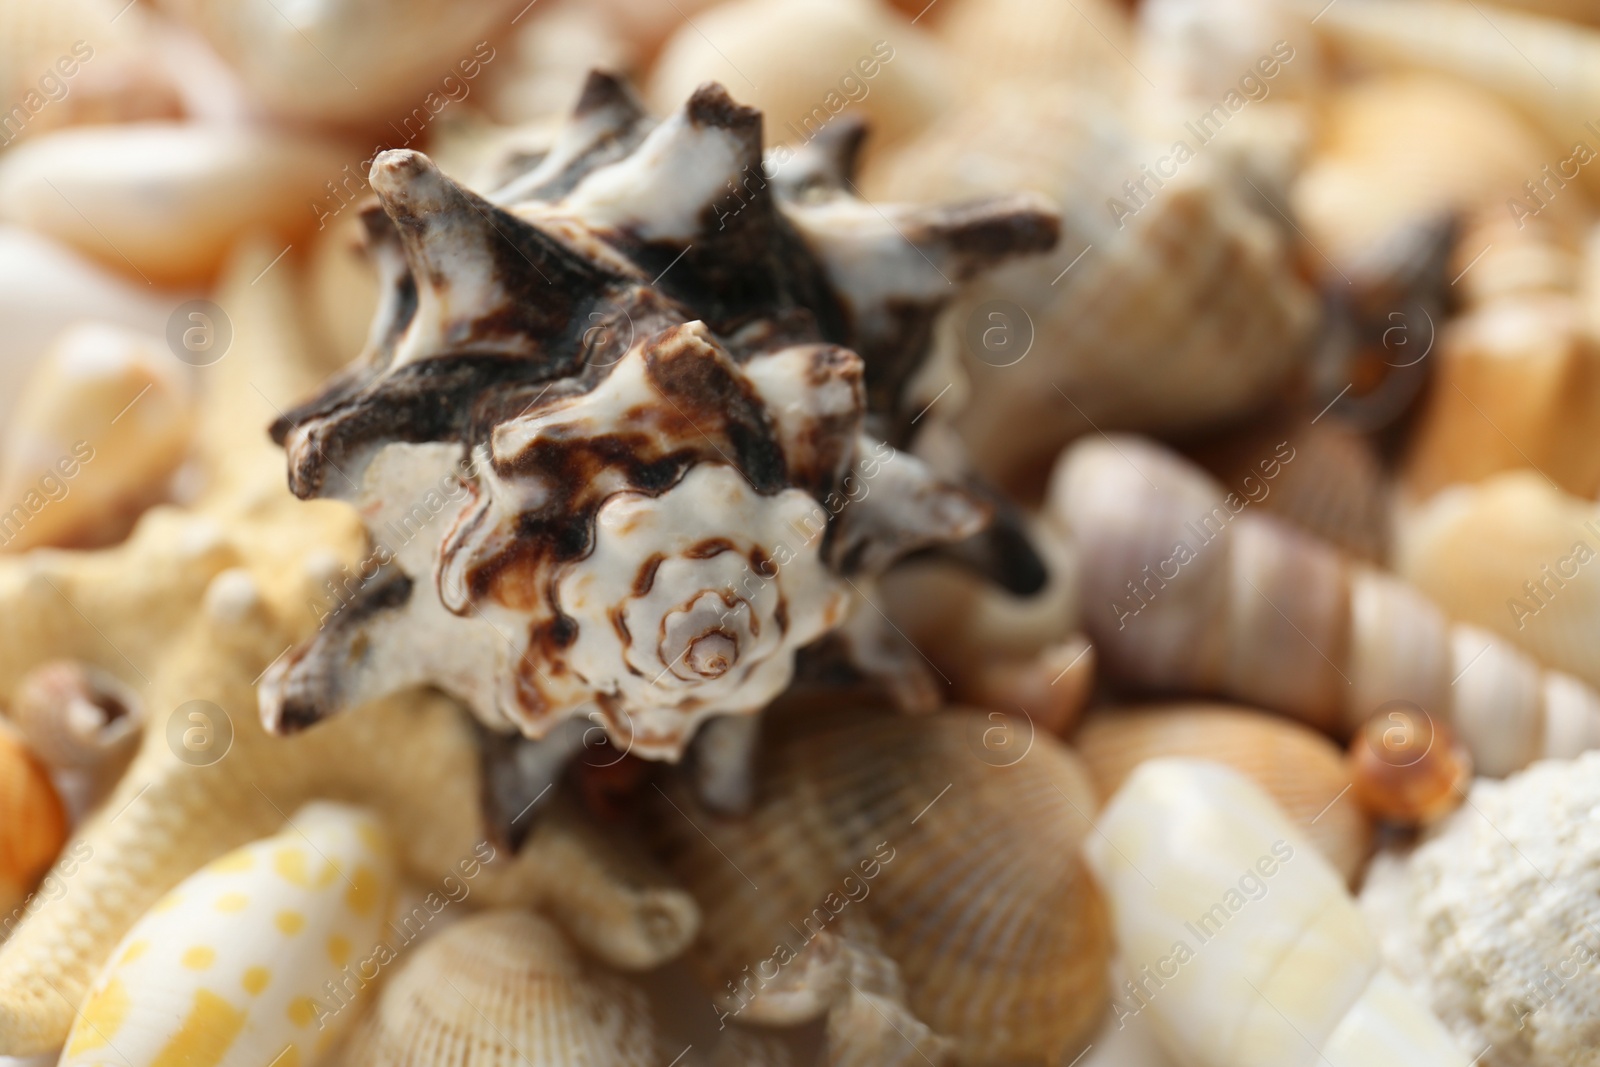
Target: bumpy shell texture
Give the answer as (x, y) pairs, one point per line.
(617, 434)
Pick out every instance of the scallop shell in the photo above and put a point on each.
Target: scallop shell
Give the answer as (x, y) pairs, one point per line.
(33, 824)
(503, 988)
(1250, 951)
(77, 716)
(947, 845)
(635, 478)
(1492, 919)
(164, 202)
(255, 958)
(1514, 555)
(102, 425)
(1301, 770)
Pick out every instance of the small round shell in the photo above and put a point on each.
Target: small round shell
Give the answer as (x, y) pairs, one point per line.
(33, 823)
(254, 959)
(1299, 768)
(77, 716)
(1406, 767)
(502, 989)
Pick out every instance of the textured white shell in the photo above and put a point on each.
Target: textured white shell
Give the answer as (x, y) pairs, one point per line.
(229, 969)
(1495, 917)
(1277, 968)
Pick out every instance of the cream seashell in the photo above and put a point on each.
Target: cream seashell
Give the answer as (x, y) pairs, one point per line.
(163, 202)
(33, 824)
(1492, 918)
(233, 963)
(503, 988)
(954, 838)
(1261, 955)
(1513, 555)
(1302, 771)
(1035, 42)
(77, 716)
(351, 61)
(101, 426)
(808, 59)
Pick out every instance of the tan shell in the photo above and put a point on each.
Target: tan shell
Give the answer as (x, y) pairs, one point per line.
(101, 426)
(77, 716)
(948, 844)
(1514, 555)
(1299, 768)
(505, 988)
(1407, 768)
(33, 824)
(1036, 42)
(163, 202)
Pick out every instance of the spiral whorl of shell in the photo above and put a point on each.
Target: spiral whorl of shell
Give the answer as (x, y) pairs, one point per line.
(617, 431)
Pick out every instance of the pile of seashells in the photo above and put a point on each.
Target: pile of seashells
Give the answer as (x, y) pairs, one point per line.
(782, 532)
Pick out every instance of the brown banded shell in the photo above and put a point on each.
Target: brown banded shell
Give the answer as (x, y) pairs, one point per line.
(505, 988)
(1299, 768)
(33, 823)
(947, 845)
(77, 716)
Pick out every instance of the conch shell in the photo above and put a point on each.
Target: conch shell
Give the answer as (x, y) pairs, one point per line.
(503, 988)
(609, 443)
(1250, 951)
(1185, 588)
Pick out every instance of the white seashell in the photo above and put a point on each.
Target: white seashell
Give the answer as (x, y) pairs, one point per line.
(240, 964)
(101, 426)
(164, 202)
(1250, 952)
(503, 989)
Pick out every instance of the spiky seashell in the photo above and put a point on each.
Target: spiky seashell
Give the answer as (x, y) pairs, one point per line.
(1492, 918)
(1302, 771)
(1134, 322)
(351, 61)
(101, 426)
(77, 716)
(812, 61)
(1185, 588)
(908, 839)
(164, 202)
(232, 965)
(1406, 768)
(1515, 383)
(545, 61)
(33, 823)
(1512, 554)
(1250, 951)
(503, 988)
(1035, 42)
(45, 287)
(582, 494)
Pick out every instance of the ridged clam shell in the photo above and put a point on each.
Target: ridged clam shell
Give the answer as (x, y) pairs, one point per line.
(33, 823)
(74, 715)
(1299, 768)
(1516, 556)
(505, 988)
(254, 958)
(101, 425)
(946, 843)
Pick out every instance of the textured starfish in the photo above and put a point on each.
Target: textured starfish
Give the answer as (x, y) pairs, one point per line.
(193, 607)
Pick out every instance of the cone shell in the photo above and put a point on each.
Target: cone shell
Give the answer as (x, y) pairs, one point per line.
(1299, 768)
(230, 968)
(33, 823)
(947, 843)
(102, 425)
(77, 716)
(505, 988)
(1516, 556)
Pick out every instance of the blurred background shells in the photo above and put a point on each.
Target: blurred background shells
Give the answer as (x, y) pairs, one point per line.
(75, 716)
(501, 988)
(33, 823)
(1297, 767)
(907, 837)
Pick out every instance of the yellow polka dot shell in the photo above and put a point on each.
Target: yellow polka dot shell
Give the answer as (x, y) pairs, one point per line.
(231, 969)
